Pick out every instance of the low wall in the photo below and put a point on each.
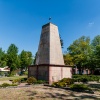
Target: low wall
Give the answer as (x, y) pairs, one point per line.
(50, 72)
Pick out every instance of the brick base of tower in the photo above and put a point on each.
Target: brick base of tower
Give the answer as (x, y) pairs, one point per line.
(50, 72)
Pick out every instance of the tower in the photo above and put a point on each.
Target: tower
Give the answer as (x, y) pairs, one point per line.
(49, 50)
(49, 61)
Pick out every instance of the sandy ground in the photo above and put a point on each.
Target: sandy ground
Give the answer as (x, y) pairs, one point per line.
(1, 82)
(40, 92)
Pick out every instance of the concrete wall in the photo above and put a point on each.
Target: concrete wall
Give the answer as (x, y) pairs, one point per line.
(43, 73)
(54, 74)
(58, 73)
(39, 72)
(32, 71)
(50, 73)
(67, 72)
(56, 56)
(44, 47)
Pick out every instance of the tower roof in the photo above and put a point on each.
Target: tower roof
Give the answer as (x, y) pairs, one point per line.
(47, 24)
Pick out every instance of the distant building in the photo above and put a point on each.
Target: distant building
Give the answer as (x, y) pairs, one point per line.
(4, 71)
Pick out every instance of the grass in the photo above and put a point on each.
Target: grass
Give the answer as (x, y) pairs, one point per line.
(11, 78)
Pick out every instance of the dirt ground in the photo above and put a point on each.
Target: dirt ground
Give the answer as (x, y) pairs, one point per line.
(40, 92)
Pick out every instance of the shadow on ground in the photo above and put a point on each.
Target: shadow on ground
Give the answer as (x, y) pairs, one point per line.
(71, 95)
(96, 86)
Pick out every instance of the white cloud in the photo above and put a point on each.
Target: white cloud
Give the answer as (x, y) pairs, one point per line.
(90, 24)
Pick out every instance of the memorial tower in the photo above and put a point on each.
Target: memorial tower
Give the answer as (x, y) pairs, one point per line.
(49, 60)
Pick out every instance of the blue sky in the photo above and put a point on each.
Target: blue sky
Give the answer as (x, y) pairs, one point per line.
(21, 21)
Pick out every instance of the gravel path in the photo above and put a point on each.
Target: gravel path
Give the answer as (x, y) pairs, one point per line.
(40, 92)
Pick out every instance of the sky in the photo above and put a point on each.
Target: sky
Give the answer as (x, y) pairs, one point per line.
(21, 21)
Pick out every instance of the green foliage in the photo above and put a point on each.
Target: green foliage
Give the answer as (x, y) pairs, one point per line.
(96, 51)
(23, 80)
(85, 78)
(12, 73)
(61, 42)
(26, 59)
(59, 84)
(96, 41)
(68, 81)
(63, 83)
(3, 58)
(79, 87)
(16, 81)
(19, 80)
(25, 73)
(80, 51)
(34, 62)
(68, 59)
(31, 80)
(40, 82)
(12, 54)
(6, 85)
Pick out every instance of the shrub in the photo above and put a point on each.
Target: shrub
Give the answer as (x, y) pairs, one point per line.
(31, 80)
(85, 78)
(25, 73)
(63, 82)
(23, 79)
(4, 85)
(54, 84)
(16, 81)
(68, 81)
(79, 87)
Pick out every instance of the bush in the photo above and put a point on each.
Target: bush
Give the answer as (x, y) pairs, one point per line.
(59, 84)
(16, 81)
(85, 78)
(68, 81)
(6, 85)
(31, 80)
(23, 80)
(63, 82)
(54, 84)
(79, 87)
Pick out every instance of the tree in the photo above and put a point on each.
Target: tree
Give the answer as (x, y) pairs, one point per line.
(97, 56)
(26, 59)
(3, 58)
(61, 42)
(12, 54)
(80, 51)
(34, 61)
(96, 51)
(68, 59)
(96, 41)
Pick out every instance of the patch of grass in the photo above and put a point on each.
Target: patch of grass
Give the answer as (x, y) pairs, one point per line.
(11, 78)
(79, 87)
(6, 85)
